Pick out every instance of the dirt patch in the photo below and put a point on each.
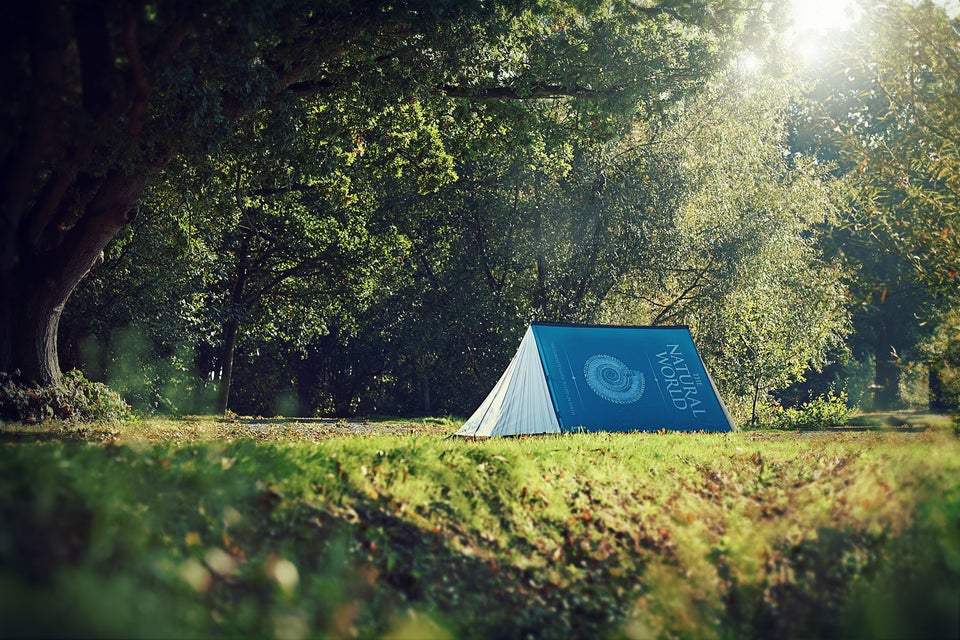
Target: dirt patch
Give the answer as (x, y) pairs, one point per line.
(194, 428)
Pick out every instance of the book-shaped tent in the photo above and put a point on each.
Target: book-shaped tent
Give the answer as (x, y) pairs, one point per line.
(568, 377)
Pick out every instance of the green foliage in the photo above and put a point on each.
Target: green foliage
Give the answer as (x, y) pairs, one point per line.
(76, 399)
(830, 410)
(350, 232)
(902, 134)
(884, 114)
(943, 353)
(743, 266)
(599, 535)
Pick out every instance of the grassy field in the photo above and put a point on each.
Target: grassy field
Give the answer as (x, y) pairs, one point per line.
(274, 528)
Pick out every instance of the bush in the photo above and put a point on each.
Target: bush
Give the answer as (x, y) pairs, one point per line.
(75, 399)
(821, 412)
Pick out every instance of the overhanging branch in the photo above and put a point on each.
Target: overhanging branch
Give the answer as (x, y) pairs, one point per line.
(535, 92)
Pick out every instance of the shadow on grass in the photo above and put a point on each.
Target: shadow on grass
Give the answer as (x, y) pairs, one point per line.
(27, 434)
(410, 566)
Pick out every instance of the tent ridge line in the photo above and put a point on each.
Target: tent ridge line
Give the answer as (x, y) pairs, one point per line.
(610, 326)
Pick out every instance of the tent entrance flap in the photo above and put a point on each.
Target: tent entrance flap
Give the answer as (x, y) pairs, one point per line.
(601, 378)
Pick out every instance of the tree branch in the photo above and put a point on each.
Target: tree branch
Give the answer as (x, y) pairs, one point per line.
(682, 295)
(534, 92)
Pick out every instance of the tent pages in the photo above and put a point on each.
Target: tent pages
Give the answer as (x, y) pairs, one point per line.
(520, 402)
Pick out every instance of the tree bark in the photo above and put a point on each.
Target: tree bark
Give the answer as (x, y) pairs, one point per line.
(28, 328)
(226, 374)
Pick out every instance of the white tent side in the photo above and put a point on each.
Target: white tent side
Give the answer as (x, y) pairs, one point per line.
(520, 402)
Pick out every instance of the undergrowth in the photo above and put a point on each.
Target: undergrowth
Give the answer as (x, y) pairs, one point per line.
(822, 412)
(76, 399)
(590, 535)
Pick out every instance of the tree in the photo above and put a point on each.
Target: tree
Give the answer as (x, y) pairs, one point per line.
(745, 270)
(910, 160)
(911, 171)
(887, 115)
(107, 93)
(135, 322)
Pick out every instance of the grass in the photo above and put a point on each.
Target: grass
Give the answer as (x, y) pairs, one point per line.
(198, 527)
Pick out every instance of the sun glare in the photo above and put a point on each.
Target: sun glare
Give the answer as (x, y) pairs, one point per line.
(816, 21)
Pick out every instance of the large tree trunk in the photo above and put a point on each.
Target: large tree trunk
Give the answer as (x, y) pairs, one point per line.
(28, 328)
(60, 203)
(37, 282)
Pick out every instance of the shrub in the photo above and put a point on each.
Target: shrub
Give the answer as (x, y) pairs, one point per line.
(819, 413)
(75, 399)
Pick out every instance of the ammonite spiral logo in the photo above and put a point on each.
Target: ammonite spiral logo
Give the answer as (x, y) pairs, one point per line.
(612, 380)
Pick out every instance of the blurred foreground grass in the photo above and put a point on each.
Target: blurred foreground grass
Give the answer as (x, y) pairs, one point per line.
(200, 527)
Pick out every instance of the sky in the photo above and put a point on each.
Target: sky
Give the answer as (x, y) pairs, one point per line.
(816, 20)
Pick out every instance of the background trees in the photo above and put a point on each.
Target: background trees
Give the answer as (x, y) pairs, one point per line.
(744, 268)
(107, 93)
(360, 209)
(380, 84)
(886, 113)
(904, 135)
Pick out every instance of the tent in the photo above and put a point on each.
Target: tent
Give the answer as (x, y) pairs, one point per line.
(568, 377)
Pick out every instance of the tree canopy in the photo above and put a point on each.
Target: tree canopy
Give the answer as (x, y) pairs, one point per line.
(331, 207)
(885, 112)
(107, 93)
